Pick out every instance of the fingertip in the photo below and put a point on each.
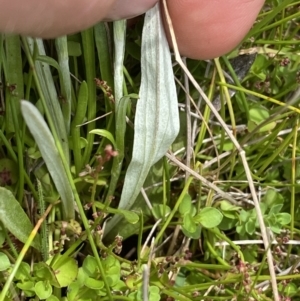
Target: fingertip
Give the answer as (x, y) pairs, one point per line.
(208, 29)
(50, 18)
(122, 9)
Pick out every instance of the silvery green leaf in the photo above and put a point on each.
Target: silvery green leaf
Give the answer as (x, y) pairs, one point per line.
(47, 147)
(119, 42)
(157, 120)
(14, 217)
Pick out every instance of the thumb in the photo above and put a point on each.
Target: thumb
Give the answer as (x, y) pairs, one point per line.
(207, 29)
(128, 9)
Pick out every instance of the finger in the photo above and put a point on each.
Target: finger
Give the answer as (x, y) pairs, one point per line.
(207, 29)
(50, 18)
(124, 9)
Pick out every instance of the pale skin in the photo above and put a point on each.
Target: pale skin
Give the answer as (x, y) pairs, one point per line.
(204, 28)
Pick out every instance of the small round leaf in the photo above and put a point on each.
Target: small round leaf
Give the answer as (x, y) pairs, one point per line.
(4, 262)
(185, 205)
(209, 217)
(43, 289)
(189, 224)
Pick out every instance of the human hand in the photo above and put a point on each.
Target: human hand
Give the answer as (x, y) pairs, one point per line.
(210, 28)
(204, 29)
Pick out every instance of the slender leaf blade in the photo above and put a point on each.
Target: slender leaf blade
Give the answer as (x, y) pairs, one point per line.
(119, 42)
(14, 218)
(49, 91)
(157, 119)
(47, 147)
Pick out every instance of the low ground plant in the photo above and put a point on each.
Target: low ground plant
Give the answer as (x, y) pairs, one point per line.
(83, 218)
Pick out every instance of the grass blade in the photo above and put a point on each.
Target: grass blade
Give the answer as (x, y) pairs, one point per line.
(66, 86)
(48, 90)
(78, 119)
(14, 122)
(89, 61)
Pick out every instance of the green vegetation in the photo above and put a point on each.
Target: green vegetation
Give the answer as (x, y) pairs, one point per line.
(92, 209)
